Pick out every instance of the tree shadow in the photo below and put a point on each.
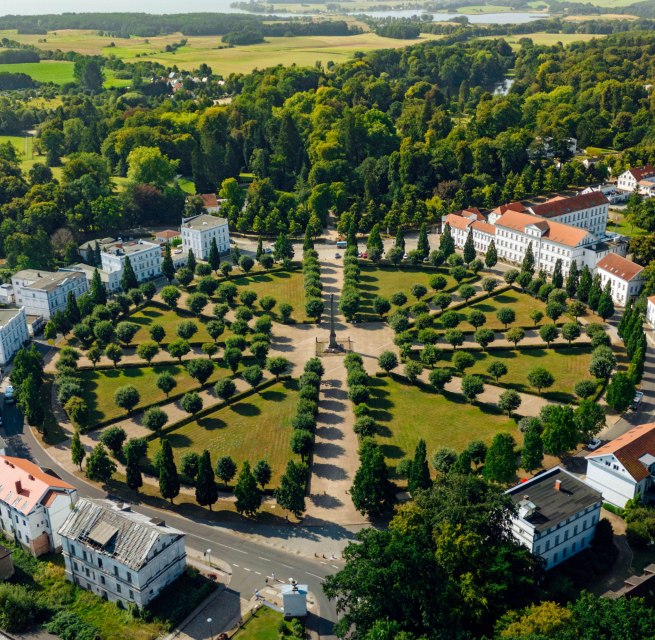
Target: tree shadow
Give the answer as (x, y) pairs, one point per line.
(329, 471)
(246, 409)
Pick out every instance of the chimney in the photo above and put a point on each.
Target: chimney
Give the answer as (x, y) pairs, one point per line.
(19, 486)
(558, 485)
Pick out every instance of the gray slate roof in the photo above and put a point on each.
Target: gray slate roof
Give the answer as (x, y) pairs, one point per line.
(124, 535)
(204, 221)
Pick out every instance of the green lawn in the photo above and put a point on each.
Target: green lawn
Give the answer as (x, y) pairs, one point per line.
(46, 576)
(169, 320)
(284, 286)
(522, 304)
(262, 625)
(100, 385)
(59, 72)
(256, 428)
(408, 413)
(568, 365)
(378, 281)
(625, 228)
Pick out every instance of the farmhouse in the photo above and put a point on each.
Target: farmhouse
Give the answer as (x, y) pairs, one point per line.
(623, 468)
(118, 554)
(199, 231)
(43, 293)
(13, 333)
(624, 276)
(33, 504)
(556, 515)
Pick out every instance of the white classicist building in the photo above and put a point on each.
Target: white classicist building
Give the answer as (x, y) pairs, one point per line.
(33, 504)
(197, 234)
(640, 180)
(556, 515)
(13, 333)
(43, 293)
(111, 279)
(624, 467)
(118, 554)
(625, 277)
(145, 258)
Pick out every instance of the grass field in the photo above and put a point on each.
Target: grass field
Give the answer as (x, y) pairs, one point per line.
(169, 320)
(568, 365)
(99, 386)
(303, 51)
(377, 281)
(59, 72)
(284, 286)
(406, 414)
(256, 428)
(548, 39)
(263, 625)
(624, 227)
(521, 303)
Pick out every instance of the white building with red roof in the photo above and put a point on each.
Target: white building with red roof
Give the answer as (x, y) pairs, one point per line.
(624, 276)
(629, 180)
(624, 467)
(650, 311)
(33, 504)
(585, 210)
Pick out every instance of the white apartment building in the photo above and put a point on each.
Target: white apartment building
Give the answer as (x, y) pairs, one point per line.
(586, 211)
(6, 294)
(119, 554)
(632, 178)
(43, 293)
(197, 234)
(624, 276)
(111, 279)
(145, 258)
(33, 504)
(13, 333)
(624, 467)
(556, 515)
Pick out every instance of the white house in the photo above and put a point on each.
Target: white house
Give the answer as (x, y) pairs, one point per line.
(43, 293)
(119, 554)
(198, 232)
(624, 276)
(145, 258)
(87, 249)
(111, 279)
(629, 180)
(13, 333)
(585, 210)
(622, 468)
(650, 311)
(6, 294)
(33, 504)
(556, 515)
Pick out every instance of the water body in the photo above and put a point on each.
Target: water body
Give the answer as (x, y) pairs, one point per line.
(32, 7)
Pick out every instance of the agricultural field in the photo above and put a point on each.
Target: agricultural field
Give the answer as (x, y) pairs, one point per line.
(255, 428)
(168, 319)
(407, 413)
(57, 71)
(284, 286)
(303, 51)
(100, 385)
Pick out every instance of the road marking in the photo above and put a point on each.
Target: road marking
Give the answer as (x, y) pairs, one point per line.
(335, 566)
(314, 575)
(258, 573)
(227, 546)
(235, 565)
(288, 566)
(323, 562)
(246, 569)
(266, 559)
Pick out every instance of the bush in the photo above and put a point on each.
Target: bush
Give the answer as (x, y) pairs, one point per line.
(358, 394)
(19, 608)
(309, 392)
(304, 421)
(365, 426)
(69, 626)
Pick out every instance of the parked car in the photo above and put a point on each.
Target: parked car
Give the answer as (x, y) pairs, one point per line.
(639, 396)
(592, 445)
(364, 254)
(268, 250)
(337, 255)
(405, 256)
(9, 395)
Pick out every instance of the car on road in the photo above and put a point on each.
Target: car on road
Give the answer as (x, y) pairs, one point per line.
(268, 250)
(9, 395)
(337, 255)
(405, 256)
(639, 396)
(592, 445)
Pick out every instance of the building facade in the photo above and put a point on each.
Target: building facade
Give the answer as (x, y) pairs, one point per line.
(650, 311)
(587, 211)
(624, 277)
(33, 505)
(624, 467)
(198, 232)
(556, 515)
(43, 293)
(629, 180)
(13, 333)
(118, 554)
(145, 258)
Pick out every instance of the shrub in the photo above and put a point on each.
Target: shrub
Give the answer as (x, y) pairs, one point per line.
(19, 608)
(358, 394)
(365, 426)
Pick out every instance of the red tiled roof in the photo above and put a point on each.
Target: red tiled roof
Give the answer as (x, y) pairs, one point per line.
(629, 447)
(559, 206)
(620, 267)
(458, 222)
(651, 299)
(167, 234)
(485, 227)
(556, 231)
(642, 172)
(470, 212)
(512, 206)
(209, 200)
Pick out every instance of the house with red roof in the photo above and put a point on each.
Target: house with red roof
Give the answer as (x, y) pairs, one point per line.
(624, 277)
(630, 180)
(624, 467)
(33, 504)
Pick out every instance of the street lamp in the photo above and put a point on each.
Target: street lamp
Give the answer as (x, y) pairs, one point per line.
(211, 633)
(208, 555)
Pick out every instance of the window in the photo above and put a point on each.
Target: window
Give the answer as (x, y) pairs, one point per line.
(129, 577)
(118, 587)
(100, 562)
(115, 570)
(102, 579)
(131, 595)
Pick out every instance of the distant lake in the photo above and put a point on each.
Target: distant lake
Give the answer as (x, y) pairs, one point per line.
(31, 7)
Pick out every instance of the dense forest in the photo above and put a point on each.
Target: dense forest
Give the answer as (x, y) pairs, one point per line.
(393, 136)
